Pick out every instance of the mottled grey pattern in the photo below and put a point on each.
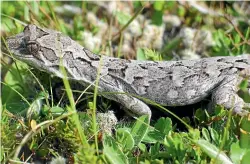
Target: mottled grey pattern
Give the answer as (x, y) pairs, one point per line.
(170, 83)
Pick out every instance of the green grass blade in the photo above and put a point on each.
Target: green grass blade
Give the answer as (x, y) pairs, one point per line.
(72, 108)
(94, 105)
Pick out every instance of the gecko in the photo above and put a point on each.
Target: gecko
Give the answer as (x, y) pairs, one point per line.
(168, 83)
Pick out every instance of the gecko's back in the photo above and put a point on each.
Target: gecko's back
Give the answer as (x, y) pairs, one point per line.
(174, 82)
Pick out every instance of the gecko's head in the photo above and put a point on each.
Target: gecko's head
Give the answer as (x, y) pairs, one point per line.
(37, 46)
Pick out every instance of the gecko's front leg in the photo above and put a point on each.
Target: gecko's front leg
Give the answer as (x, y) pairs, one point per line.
(133, 106)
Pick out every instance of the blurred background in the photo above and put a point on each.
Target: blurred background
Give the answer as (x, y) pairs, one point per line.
(176, 30)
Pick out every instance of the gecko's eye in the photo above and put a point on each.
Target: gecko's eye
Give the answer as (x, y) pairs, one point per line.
(33, 47)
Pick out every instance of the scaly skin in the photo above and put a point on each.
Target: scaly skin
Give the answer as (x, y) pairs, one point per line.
(169, 83)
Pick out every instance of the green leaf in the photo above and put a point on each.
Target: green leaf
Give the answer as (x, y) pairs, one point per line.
(157, 17)
(243, 93)
(170, 5)
(170, 46)
(222, 44)
(57, 111)
(140, 55)
(155, 149)
(214, 135)
(113, 152)
(162, 128)
(137, 4)
(35, 108)
(158, 5)
(245, 133)
(246, 47)
(142, 147)
(181, 10)
(153, 136)
(122, 17)
(164, 125)
(125, 138)
(206, 134)
(213, 152)
(222, 36)
(237, 153)
(200, 115)
(26, 13)
(237, 39)
(194, 133)
(175, 146)
(152, 55)
(42, 152)
(246, 157)
(15, 80)
(220, 110)
(140, 128)
(243, 85)
(2, 153)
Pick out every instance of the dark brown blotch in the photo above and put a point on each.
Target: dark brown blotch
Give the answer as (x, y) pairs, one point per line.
(49, 54)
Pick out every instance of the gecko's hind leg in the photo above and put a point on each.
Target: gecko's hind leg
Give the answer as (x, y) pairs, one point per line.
(226, 95)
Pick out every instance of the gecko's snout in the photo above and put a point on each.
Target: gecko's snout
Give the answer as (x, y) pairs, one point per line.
(18, 45)
(14, 42)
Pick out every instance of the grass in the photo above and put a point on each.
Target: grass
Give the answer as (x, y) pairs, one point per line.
(33, 128)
